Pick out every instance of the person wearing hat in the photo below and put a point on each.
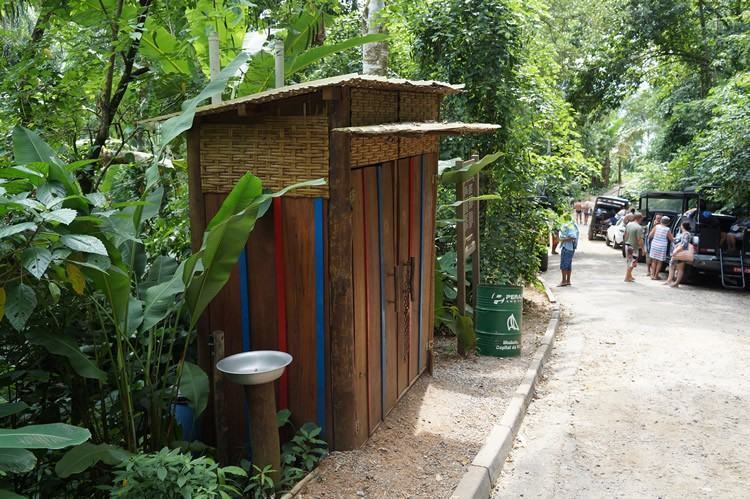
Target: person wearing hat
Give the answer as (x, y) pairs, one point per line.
(660, 237)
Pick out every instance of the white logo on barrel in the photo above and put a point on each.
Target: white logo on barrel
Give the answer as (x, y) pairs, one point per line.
(512, 323)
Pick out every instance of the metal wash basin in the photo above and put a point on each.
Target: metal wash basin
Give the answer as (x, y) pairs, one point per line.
(254, 368)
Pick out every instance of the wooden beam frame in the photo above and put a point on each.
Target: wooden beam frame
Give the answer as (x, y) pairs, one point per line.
(348, 432)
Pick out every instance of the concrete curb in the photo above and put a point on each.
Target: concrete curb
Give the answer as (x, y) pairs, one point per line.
(484, 471)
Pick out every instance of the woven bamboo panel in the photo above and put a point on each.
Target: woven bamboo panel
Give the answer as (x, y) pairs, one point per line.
(372, 150)
(414, 146)
(280, 150)
(372, 107)
(420, 106)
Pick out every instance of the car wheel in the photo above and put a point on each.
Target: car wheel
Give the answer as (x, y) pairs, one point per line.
(606, 239)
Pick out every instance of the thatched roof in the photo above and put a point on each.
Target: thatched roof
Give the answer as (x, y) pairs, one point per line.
(419, 128)
(353, 80)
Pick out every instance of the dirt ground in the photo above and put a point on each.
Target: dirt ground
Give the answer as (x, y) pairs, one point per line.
(425, 443)
(646, 393)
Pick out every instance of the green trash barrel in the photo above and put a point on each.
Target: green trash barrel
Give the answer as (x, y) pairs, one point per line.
(499, 312)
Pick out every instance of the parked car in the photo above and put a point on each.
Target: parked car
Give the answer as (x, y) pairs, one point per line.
(605, 209)
(707, 223)
(615, 234)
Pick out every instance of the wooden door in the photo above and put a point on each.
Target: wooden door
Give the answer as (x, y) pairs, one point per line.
(392, 208)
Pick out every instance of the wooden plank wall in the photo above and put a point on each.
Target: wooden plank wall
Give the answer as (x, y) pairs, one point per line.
(224, 314)
(307, 389)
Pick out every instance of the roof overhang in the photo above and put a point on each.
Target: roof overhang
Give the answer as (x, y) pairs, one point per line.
(419, 128)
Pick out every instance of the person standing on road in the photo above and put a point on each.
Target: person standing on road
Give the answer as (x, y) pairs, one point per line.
(680, 255)
(660, 237)
(579, 211)
(633, 243)
(568, 243)
(587, 208)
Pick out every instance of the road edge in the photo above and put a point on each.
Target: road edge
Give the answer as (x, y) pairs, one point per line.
(484, 470)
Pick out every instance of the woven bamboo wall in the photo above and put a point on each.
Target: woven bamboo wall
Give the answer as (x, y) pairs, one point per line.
(370, 150)
(418, 106)
(414, 146)
(280, 150)
(373, 107)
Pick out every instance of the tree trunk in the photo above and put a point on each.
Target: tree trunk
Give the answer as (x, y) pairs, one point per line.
(110, 99)
(704, 66)
(606, 169)
(375, 55)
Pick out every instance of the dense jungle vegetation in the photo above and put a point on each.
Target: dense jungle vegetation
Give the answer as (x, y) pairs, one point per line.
(99, 291)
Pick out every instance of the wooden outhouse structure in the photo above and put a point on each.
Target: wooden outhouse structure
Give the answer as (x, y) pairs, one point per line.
(339, 275)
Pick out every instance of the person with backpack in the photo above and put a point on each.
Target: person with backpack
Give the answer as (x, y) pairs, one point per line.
(569, 234)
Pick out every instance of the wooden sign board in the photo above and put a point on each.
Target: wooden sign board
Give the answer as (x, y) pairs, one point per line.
(467, 228)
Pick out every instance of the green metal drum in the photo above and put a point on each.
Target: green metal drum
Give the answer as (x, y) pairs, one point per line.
(498, 320)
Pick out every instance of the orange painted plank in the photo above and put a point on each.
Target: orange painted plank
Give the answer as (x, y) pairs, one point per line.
(388, 220)
(359, 278)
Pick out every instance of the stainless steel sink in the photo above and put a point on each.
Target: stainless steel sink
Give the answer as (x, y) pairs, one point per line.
(254, 368)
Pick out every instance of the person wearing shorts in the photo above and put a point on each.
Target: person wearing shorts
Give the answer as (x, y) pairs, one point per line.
(568, 241)
(633, 244)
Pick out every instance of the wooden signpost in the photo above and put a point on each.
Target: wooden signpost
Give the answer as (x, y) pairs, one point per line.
(467, 228)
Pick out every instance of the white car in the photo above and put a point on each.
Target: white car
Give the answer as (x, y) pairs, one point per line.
(616, 233)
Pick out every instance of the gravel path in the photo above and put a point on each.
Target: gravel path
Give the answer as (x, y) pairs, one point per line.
(423, 447)
(646, 393)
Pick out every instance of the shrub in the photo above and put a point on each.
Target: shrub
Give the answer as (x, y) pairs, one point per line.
(171, 473)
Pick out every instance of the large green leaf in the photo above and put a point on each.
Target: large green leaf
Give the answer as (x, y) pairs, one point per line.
(161, 270)
(194, 387)
(59, 344)
(84, 244)
(43, 436)
(12, 230)
(20, 302)
(465, 173)
(12, 408)
(315, 54)
(159, 300)
(36, 261)
(114, 283)
(61, 215)
(28, 147)
(16, 460)
(84, 456)
(7, 494)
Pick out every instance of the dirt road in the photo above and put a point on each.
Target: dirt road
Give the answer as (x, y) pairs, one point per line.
(646, 395)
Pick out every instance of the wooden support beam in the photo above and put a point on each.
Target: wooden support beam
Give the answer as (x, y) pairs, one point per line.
(195, 192)
(348, 432)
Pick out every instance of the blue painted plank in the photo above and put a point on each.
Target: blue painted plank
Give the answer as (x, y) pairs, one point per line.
(320, 339)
